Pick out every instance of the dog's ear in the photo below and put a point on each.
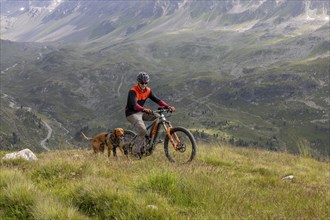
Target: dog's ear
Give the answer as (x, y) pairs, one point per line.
(115, 132)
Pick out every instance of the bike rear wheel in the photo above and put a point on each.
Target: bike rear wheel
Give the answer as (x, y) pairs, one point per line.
(186, 150)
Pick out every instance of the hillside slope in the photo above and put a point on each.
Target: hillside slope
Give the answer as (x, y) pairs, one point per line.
(251, 73)
(20, 127)
(245, 97)
(222, 183)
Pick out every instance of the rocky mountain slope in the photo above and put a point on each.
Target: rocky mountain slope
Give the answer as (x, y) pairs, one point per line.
(100, 20)
(253, 73)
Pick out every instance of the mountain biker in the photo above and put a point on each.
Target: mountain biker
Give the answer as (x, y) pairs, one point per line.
(136, 114)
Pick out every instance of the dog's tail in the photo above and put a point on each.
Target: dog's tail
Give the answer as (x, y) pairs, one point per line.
(85, 137)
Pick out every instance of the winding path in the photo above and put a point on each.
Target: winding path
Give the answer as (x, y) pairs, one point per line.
(50, 131)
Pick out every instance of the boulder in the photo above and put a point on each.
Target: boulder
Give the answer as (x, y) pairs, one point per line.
(289, 177)
(26, 154)
(152, 207)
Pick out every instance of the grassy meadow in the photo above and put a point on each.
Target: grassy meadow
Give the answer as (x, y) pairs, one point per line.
(223, 182)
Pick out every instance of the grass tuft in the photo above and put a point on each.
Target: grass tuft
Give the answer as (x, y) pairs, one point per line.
(177, 189)
(18, 197)
(105, 203)
(58, 172)
(217, 162)
(53, 209)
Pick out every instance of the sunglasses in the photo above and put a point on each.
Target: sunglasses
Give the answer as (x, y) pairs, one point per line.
(143, 83)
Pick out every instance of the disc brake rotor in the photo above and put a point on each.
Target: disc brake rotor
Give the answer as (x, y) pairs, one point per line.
(181, 147)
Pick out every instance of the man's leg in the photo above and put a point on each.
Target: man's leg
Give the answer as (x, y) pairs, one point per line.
(146, 117)
(139, 126)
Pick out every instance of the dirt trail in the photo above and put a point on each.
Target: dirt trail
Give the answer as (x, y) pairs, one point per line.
(49, 134)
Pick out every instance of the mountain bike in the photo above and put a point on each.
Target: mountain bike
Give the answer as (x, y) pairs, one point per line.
(179, 143)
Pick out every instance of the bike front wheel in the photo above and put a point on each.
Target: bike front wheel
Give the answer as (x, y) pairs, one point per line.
(185, 146)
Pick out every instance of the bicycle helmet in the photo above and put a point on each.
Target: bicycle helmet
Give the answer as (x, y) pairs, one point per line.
(143, 77)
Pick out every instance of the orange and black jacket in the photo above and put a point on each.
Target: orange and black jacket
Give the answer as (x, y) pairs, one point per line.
(136, 99)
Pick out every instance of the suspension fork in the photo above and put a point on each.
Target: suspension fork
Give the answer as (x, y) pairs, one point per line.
(176, 139)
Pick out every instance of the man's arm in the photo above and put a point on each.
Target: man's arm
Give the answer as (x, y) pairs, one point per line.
(160, 102)
(157, 100)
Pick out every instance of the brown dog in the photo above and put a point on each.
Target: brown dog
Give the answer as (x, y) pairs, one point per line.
(112, 140)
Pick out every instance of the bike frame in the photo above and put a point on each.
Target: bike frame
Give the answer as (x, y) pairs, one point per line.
(161, 120)
(172, 134)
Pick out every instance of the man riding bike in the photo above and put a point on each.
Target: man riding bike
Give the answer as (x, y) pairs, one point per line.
(136, 114)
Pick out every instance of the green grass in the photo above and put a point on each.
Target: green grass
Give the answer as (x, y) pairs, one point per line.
(222, 183)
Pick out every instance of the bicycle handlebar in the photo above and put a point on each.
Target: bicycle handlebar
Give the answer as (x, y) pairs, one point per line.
(161, 110)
